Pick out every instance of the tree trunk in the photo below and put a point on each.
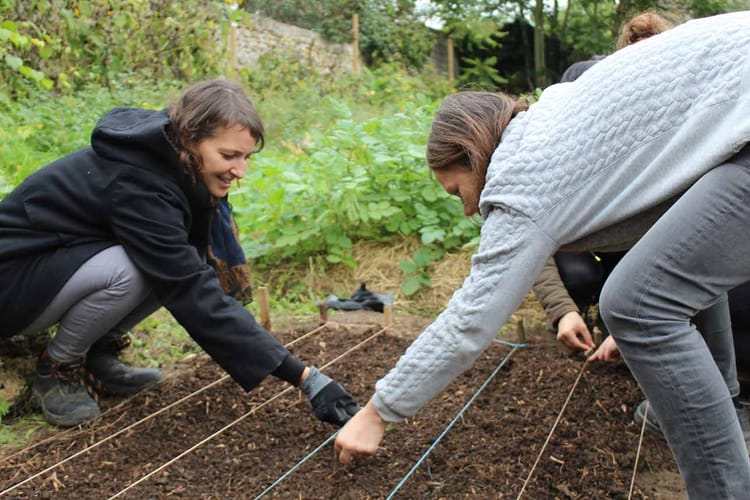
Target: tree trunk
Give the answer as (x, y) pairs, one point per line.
(540, 67)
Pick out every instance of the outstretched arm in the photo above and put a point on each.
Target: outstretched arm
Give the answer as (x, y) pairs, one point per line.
(511, 253)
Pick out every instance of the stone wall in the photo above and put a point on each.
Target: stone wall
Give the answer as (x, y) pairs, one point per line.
(266, 35)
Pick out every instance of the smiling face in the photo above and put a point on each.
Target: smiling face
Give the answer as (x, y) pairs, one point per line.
(462, 182)
(223, 158)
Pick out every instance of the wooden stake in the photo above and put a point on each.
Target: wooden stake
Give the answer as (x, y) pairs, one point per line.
(232, 51)
(451, 63)
(323, 313)
(387, 315)
(520, 332)
(355, 43)
(232, 63)
(265, 314)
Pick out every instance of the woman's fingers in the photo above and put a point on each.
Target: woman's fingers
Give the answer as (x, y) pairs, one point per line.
(360, 436)
(607, 352)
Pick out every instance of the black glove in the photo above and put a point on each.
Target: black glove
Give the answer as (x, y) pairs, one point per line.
(330, 401)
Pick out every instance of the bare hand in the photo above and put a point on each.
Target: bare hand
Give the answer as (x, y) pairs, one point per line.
(361, 435)
(573, 332)
(607, 352)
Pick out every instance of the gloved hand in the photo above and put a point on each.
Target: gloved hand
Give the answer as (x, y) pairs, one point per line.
(330, 401)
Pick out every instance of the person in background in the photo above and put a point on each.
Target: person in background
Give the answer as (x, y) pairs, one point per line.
(636, 154)
(97, 240)
(571, 282)
(570, 285)
(638, 28)
(641, 27)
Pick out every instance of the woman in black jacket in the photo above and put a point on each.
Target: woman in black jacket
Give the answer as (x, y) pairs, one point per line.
(100, 238)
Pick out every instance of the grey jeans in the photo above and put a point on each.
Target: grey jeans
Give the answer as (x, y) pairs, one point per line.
(107, 295)
(715, 325)
(697, 251)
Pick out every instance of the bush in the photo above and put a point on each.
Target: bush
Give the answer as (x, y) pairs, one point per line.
(66, 45)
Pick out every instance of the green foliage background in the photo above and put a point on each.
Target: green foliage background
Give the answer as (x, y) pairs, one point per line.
(345, 160)
(66, 44)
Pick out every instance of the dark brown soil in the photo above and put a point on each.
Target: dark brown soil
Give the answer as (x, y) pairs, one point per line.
(488, 453)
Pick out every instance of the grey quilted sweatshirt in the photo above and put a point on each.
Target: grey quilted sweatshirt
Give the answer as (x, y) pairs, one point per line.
(582, 169)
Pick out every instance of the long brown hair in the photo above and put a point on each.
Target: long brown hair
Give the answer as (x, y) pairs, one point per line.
(203, 108)
(467, 129)
(640, 27)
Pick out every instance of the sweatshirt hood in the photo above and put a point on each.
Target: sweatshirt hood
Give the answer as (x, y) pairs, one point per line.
(136, 136)
(139, 137)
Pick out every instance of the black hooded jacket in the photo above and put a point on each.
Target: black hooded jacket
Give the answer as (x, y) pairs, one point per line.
(128, 189)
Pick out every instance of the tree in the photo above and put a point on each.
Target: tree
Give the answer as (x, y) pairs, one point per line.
(582, 27)
(540, 66)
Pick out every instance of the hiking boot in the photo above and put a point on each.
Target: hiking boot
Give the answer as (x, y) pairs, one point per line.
(65, 393)
(641, 414)
(653, 425)
(118, 378)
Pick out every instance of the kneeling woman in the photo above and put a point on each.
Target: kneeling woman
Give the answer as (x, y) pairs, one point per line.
(100, 238)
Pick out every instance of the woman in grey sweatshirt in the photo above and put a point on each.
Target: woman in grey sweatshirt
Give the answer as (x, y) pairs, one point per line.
(646, 147)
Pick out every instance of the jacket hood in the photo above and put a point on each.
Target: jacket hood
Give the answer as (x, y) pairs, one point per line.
(136, 136)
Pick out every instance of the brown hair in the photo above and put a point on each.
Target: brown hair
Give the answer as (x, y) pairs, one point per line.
(203, 108)
(640, 27)
(467, 129)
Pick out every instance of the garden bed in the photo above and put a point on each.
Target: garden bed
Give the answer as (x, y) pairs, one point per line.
(488, 453)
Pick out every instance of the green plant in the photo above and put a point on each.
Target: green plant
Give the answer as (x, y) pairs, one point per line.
(4, 408)
(481, 73)
(38, 129)
(415, 270)
(15, 46)
(69, 44)
(6, 435)
(357, 180)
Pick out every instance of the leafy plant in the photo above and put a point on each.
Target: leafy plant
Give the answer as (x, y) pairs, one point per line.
(37, 129)
(69, 44)
(15, 46)
(481, 73)
(358, 180)
(4, 408)
(6, 436)
(415, 270)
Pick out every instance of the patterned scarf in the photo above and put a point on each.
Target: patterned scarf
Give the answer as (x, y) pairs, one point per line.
(225, 255)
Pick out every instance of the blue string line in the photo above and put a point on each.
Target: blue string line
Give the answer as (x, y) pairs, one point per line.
(511, 344)
(455, 419)
(284, 475)
(429, 450)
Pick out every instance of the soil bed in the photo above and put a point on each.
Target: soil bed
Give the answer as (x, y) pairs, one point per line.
(487, 454)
